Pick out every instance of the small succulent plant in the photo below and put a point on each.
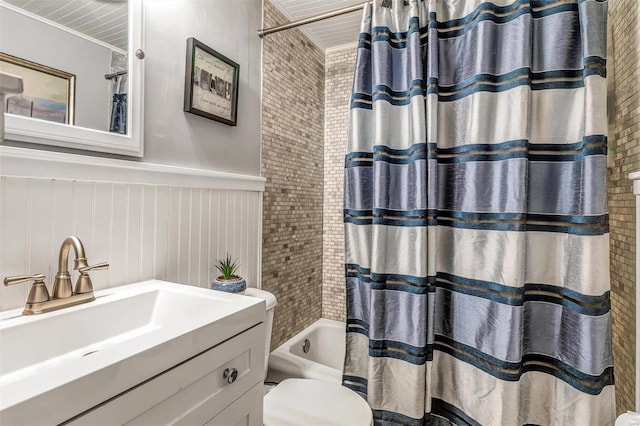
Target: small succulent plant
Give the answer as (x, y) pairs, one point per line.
(227, 267)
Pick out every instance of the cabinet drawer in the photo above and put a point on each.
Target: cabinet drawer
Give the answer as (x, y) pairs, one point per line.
(195, 389)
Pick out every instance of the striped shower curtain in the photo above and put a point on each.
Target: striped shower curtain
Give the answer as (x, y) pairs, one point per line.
(476, 214)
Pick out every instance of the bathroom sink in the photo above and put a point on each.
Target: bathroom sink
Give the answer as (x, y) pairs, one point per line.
(62, 363)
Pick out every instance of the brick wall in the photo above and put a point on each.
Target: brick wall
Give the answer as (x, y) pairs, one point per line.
(339, 70)
(292, 161)
(624, 20)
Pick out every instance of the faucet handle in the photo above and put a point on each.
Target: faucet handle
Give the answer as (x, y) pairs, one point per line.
(97, 266)
(84, 285)
(23, 278)
(38, 292)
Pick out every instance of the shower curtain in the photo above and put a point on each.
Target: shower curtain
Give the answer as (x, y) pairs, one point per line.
(475, 214)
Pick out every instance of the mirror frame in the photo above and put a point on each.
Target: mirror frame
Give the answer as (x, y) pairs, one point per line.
(25, 129)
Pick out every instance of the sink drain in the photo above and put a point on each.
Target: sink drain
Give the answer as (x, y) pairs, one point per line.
(306, 346)
(89, 353)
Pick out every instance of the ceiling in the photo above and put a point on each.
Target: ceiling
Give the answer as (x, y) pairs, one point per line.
(332, 32)
(106, 20)
(103, 20)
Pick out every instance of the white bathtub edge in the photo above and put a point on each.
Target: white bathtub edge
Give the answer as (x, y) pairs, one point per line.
(285, 364)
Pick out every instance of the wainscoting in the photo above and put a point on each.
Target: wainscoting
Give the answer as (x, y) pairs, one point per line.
(144, 230)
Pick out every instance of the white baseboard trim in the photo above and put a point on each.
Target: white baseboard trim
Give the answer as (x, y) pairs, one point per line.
(33, 163)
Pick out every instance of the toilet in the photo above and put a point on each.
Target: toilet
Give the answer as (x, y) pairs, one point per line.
(309, 402)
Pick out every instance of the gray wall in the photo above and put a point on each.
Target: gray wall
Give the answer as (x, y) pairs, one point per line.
(36, 41)
(178, 138)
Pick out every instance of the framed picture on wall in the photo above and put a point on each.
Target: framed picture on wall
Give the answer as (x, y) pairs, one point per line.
(211, 84)
(49, 94)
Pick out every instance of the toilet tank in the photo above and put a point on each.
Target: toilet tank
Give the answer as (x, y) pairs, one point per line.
(271, 304)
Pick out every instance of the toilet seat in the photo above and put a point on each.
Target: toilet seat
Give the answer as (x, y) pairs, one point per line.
(309, 402)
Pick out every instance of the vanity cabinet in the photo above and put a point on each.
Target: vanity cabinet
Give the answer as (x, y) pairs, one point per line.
(220, 386)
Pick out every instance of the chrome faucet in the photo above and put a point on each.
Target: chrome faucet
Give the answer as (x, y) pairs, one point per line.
(64, 295)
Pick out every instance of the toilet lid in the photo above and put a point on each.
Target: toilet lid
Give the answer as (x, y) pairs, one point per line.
(314, 402)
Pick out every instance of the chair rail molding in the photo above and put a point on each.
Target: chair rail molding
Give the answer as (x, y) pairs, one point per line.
(32, 163)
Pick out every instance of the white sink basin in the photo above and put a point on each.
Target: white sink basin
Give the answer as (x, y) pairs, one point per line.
(62, 363)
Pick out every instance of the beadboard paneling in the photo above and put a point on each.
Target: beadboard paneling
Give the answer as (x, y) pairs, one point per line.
(144, 231)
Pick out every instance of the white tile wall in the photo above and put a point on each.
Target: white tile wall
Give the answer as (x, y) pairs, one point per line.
(144, 231)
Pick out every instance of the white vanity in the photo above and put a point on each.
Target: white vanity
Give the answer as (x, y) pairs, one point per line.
(147, 353)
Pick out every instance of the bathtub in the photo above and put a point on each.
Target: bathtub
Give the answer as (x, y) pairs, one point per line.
(323, 360)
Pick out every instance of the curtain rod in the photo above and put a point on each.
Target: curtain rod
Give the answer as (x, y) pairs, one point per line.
(114, 75)
(321, 17)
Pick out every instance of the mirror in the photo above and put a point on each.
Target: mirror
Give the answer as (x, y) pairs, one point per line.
(81, 62)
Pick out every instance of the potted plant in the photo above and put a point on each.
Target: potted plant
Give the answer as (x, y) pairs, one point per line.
(229, 281)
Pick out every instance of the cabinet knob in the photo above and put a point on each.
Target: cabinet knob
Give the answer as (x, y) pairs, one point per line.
(230, 374)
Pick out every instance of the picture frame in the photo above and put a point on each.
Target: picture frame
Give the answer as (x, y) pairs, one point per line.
(211, 84)
(49, 93)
